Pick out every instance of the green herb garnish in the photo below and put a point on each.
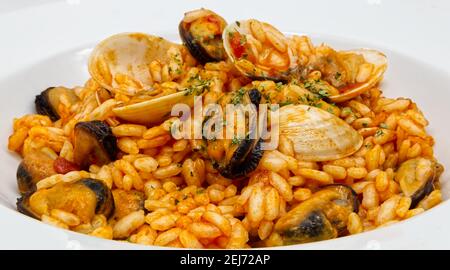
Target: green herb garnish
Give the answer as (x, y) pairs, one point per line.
(379, 132)
(237, 98)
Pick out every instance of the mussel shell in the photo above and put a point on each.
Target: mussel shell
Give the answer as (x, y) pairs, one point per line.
(254, 96)
(23, 206)
(34, 167)
(248, 153)
(25, 181)
(47, 102)
(94, 144)
(195, 47)
(315, 227)
(348, 199)
(104, 203)
(245, 159)
(322, 216)
(318, 135)
(416, 178)
(44, 107)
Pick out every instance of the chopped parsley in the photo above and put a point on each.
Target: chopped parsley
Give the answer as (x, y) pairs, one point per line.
(238, 95)
(238, 23)
(323, 93)
(365, 124)
(236, 140)
(379, 132)
(198, 86)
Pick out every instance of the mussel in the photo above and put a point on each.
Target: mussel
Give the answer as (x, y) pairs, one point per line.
(201, 32)
(242, 155)
(34, 167)
(126, 202)
(259, 50)
(84, 198)
(321, 217)
(316, 134)
(48, 102)
(94, 143)
(417, 178)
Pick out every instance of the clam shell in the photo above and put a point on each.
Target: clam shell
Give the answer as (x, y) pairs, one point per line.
(246, 67)
(316, 134)
(129, 54)
(153, 111)
(379, 61)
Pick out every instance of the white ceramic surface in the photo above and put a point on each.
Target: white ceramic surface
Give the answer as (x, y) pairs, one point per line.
(46, 43)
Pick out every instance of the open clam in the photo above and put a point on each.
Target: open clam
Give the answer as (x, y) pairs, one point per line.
(259, 50)
(122, 64)
(316, 134)
(367, 74)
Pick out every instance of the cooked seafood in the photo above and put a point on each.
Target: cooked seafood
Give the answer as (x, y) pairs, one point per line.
(34, 167)
(321, 217)
(48, 102)
(84, 198)
(106, 158)
(259, 50)
(240, 155)
(121, 62)
(201, 32)
(94, 143)
(316, 134)
(417, 178)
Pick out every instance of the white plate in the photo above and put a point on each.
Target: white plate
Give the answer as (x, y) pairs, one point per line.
(48, 44)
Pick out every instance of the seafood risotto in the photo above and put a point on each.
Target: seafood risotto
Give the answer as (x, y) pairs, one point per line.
(103, 159)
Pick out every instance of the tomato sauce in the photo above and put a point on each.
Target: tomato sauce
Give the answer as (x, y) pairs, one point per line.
(236, 46)
(63, 166)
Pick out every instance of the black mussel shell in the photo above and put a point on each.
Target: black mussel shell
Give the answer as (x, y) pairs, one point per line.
(195, 46)
(47, 102)
(94, 144)
(105, 201)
